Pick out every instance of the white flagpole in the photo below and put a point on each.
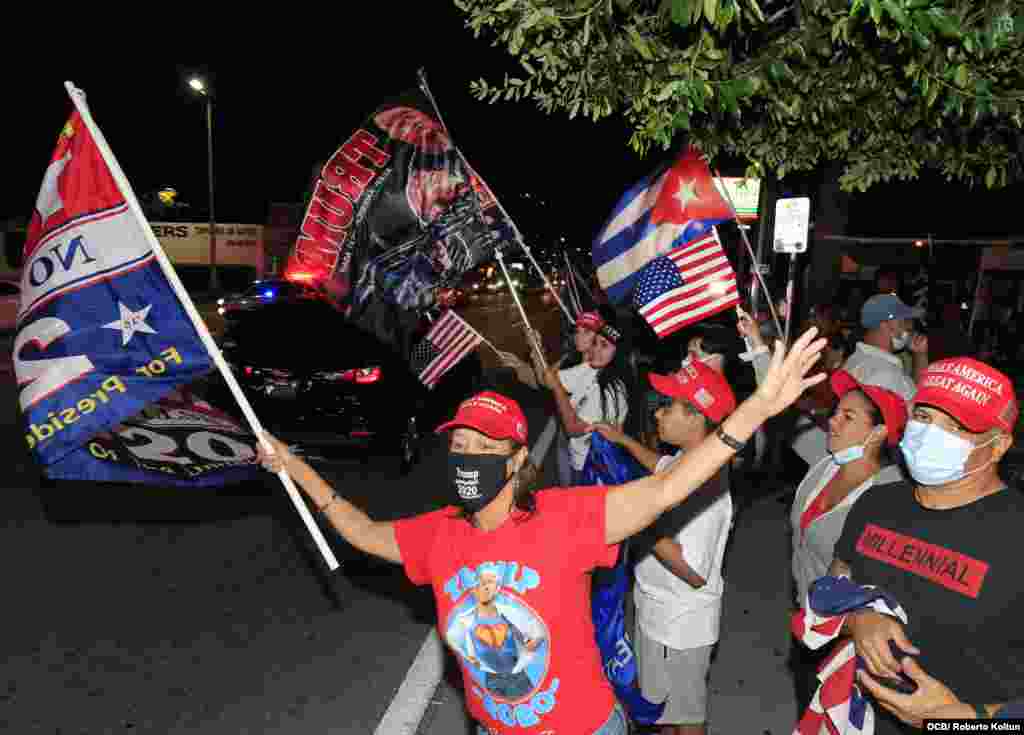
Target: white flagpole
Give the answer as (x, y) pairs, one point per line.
(753, 258)
(78, 98)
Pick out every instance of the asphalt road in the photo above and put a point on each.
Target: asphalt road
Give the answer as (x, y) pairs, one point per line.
(140, 610)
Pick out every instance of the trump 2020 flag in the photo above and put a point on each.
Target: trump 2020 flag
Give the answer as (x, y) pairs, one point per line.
(101, 333)
(449, 340)
(689, 283)
(666, 209)
(207, 448)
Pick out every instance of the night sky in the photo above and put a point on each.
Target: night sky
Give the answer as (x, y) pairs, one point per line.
(277, 115)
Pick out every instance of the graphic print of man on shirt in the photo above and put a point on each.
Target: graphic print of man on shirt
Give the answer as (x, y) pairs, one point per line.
(498, 638)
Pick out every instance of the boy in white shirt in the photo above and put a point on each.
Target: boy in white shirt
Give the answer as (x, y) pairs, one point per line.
(679, 586)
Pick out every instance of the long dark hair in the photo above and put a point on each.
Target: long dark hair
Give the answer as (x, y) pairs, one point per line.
(620, 375)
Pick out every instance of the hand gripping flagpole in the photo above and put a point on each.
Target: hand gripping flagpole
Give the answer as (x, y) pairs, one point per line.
(422, 75)
(78, 98)
(753, 258)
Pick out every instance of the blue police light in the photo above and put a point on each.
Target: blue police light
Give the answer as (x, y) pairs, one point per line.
(268, 294)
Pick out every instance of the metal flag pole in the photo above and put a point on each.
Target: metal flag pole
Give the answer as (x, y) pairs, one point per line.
(422, 74)
(78, 98)
(531, 335)
(753, 257)
(790, 287)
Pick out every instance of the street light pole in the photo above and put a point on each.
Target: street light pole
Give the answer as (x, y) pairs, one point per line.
(199, 86)
(214, 283)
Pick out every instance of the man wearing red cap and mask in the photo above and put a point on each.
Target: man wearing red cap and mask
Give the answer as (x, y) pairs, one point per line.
(947, 546)
(679, 587)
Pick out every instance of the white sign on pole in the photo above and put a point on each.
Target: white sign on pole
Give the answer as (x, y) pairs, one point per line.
(792, 220)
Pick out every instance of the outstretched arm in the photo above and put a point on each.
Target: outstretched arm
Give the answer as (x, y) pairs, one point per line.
(642, 454)
(632, 507)
(356, 527)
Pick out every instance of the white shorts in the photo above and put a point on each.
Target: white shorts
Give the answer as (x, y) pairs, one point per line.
(678, 678)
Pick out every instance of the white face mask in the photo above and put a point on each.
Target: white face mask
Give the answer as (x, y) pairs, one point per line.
(852, 454)
(934, 456)
(900, 341)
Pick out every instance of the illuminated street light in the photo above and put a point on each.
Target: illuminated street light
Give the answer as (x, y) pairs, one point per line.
(199, 86)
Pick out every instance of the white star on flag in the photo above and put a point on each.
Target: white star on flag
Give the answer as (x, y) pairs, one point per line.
(131, 322)
(687, 193)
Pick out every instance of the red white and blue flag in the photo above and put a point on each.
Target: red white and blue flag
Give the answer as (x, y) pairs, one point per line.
(101, 332)
(668, 208)
(689, 283)
(449, 340)
(839, 706)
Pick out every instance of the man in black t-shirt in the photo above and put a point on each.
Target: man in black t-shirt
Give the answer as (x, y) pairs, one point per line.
(948, 548)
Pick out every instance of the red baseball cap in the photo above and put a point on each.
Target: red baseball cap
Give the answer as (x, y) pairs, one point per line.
(890, 403)
(590, 320)
(975, 394)
(705, 388)
(492, 414)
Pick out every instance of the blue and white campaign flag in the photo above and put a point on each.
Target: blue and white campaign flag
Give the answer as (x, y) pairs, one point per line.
(101, 332)
(667, 208)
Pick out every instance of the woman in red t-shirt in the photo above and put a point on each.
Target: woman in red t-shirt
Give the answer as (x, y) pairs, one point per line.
(510, 567)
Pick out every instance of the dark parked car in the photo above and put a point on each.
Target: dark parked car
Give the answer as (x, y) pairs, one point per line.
(316, 380)
(262, 293)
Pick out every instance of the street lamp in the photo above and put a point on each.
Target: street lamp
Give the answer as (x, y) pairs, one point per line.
(199, 86)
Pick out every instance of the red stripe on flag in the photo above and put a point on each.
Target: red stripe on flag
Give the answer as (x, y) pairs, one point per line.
(444, 362)
(666, 324)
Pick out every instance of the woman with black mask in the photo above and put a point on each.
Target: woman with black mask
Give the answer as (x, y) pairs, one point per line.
(510, 568)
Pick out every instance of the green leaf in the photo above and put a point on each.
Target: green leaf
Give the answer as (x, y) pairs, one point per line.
(943, 22)
(710, 10)
(990, 177)
(506, 6)
(640, 44)
(898, 14)
(960, 75)
(876, 10)
(756, 9)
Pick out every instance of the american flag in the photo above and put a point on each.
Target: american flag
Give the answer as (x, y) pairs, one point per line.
(448, 341)
(838, 706)
(687, 284)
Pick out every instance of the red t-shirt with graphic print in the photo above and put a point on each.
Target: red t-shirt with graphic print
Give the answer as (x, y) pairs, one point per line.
(514, 606)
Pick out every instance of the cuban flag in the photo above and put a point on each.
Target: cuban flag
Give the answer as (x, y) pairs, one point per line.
(666, 209)
(838, 706)
(101, 333)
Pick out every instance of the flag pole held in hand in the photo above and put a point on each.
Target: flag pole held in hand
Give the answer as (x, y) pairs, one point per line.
(78, 98)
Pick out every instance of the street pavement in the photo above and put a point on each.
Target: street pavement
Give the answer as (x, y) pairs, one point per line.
(134, 610)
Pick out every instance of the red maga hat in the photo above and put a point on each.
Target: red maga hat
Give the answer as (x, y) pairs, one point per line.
(891, 404)
(975, 394)
(704, 387)
(492, 414)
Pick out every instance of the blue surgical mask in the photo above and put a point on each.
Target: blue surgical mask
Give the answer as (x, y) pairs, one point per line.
(850, 454)
(934, 456)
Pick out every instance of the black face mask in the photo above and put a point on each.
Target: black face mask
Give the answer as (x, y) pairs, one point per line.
(476, 479)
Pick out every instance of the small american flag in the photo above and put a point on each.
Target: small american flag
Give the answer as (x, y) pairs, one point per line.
(687, 284)
(448, 341)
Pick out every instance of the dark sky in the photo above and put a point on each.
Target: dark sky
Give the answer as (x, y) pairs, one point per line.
(278, 114)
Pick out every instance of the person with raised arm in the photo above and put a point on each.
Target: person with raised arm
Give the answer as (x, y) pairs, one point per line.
(526, 644)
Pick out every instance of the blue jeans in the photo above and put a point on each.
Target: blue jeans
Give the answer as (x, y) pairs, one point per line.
(616, 724)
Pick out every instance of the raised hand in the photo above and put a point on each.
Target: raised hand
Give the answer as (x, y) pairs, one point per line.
(787, 376)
